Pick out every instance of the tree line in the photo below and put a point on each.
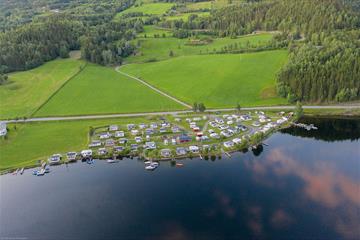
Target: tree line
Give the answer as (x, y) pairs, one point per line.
(33, 44)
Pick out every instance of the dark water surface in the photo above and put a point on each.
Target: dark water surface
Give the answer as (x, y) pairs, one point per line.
(304, 185)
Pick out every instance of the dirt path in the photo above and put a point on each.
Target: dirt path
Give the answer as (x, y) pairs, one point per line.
(153, 88)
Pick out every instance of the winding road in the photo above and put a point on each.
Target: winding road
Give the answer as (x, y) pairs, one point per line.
(86, 117)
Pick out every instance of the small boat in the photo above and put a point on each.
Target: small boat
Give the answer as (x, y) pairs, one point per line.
(150, 167)
(41, 172)
(47, 169)
(16, 172)
(147, 162)
(111, 161)
(156, 164)
(22, 171)
(179, 164)
(43, 164)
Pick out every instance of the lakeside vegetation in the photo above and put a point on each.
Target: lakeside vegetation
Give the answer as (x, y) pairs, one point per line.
(216, 80)
(39, 140)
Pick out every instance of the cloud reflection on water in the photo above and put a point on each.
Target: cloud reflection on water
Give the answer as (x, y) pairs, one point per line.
(322, 184)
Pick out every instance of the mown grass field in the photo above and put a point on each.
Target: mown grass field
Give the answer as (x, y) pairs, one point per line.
(185, 16)
(150, 31)
(155, 49)
(100, 90)
(216, 80)
(147, 9)
(31, 142)
(29, 89)
(199, 5)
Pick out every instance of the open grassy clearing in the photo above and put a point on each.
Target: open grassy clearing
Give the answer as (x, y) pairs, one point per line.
(199, 5)
(34, 141)
(155, 49)
(185, 16)
(99, 90)
(147, 9)
(150, 31)
(216, 80)
(29, 89)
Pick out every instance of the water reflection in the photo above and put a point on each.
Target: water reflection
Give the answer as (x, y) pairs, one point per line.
(329, 129)
(321, 183)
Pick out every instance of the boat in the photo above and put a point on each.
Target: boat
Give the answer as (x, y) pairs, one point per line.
(47, 169)
(156, 164)
(150, 167)
(41, 172)
(16, 172)
(179, 164)
(111, 161)
(22, 171)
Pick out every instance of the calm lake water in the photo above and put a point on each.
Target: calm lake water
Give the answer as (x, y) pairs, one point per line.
(304, 185)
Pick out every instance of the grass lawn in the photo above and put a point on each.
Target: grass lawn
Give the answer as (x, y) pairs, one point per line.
(159, 48)
(217, 80)
(150, 30)
(199, 5)
(185, 16)
(29, 89)
(147, 9)
(34, 141)
(99, 90)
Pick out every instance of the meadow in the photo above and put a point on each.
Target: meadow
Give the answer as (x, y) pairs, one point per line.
(28, 90)
(199, 5)
(216, 80)
(30, 142)
(185, 16)
(146, 9)
(155, 49)
(100, 90)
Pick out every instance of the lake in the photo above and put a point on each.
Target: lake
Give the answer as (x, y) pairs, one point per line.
(303, 185)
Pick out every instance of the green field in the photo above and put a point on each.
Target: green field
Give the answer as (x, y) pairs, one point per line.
(147, 9)
(185, 16)
(29, 89)
(217, 80)
(100, 90)
(37, 141)
(150, 30)
(159, 48)
(199, 5)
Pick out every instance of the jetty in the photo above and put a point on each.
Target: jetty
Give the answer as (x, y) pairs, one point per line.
(305, 126)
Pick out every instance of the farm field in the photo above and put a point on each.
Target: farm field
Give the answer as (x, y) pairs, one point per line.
(155, 49)
(100, 90)
(216, 80)
(27, 90)
(147, 9)
(37, 141)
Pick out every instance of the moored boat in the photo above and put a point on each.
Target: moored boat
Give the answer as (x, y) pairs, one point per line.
(41, 172)
(22, 171)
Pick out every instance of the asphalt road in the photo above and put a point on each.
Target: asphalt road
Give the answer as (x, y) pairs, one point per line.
(45, 119)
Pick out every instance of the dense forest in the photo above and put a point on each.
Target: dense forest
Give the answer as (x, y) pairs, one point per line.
(75, 22)
(32, 45)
